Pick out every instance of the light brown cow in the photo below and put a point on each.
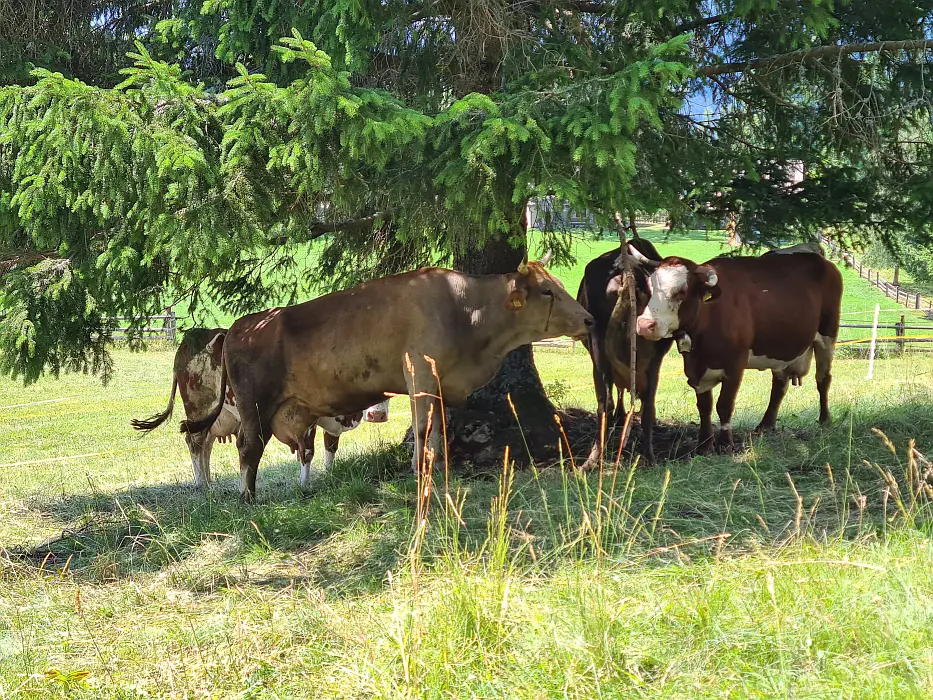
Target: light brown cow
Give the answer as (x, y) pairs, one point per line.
(196, 376)
(772, 312)
(342, 352)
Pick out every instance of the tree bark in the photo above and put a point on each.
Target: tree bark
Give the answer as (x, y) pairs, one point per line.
(481, 429)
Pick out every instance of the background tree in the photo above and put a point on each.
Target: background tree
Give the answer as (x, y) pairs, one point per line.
(403, 133)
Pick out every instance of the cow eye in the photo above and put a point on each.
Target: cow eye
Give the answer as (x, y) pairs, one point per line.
(547, 292)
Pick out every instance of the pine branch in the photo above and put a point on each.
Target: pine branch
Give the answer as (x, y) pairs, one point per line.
(321, 229)
(12, 260)
(814, 54)
(699, 23)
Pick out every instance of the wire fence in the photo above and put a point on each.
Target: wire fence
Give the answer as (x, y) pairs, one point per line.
(910, 300)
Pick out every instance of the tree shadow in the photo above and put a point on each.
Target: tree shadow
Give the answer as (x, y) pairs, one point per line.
(798, 481)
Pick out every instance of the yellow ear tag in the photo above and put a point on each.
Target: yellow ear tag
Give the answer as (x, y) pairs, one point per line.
(707, 296)
(517, 303)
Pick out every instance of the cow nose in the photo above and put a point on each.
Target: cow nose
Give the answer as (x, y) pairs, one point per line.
(646, 326)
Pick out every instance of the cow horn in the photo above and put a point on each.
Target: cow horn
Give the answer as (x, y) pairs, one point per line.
(547, 258)
(640, 258)
(523, 265)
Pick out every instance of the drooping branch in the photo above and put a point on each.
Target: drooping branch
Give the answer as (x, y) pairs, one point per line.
(814, 54)
(699, 23)
(12, 260)
(321, 229)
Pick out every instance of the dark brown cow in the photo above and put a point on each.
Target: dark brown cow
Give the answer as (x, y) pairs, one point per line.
(609, 344)
(407, 333)
(196, 375)
(767, 313)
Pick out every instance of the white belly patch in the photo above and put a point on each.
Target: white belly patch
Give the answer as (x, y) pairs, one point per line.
(711, 378)
(762, 362)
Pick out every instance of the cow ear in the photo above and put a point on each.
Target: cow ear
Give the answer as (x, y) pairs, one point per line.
(707, 275)
(517, 299)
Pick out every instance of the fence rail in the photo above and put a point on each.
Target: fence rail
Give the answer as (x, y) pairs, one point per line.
(909, 300)
(168, 330)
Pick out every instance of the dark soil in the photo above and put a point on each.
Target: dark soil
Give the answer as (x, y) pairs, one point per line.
(477, 442)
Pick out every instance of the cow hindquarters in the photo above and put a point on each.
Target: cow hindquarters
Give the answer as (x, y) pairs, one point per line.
(824, 348)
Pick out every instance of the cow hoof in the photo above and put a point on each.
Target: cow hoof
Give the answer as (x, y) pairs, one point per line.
(705, 449)
(247, 497)
(763, 429)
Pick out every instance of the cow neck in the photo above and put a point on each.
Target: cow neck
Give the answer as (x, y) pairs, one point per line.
(500, 332)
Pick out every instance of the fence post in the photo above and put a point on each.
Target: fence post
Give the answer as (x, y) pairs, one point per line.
(899, 332)
(171, 324)
(916, 301)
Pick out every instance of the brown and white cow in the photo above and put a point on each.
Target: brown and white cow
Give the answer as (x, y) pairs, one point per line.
(197, 377)
(428, 333)
(772, 312)
(609, 344)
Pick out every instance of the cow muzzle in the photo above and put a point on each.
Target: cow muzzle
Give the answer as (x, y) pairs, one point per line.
(377, 415)
(648, 329)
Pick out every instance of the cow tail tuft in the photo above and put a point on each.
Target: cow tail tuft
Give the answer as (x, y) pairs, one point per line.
(199, 426)
(152, 422)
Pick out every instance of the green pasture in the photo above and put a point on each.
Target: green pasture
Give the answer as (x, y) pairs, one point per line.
(858, 301)
(801, 566)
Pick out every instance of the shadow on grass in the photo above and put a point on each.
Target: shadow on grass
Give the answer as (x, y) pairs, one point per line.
(357, 524)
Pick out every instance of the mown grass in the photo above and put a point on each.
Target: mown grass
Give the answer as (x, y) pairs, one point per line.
(702, 578)
(800, 566)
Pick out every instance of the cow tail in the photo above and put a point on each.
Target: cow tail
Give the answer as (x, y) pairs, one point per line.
(153, 422)
(199, 426)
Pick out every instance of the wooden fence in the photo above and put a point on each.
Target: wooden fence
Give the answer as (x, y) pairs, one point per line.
(892, 291)
(168, 329)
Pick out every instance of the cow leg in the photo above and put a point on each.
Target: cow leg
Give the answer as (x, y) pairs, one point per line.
(825, 348)
(331, 442)
(648, 408)
(306, 457)
(779, 383)
(251, 443)
(424, 410)
(726, 405)
(705, 409)
(199, 447)
(602, 382)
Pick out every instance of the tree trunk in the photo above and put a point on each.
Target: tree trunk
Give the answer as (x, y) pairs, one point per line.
(482, 428)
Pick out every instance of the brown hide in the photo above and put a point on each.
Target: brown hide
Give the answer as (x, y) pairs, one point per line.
(603, 294)
(345, 351)
(771, 312)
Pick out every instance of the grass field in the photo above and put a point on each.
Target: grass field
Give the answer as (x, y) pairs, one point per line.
(801, 567)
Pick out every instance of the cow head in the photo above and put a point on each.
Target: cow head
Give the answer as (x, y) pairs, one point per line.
(678, 287)
(378, 413)
(541, 304)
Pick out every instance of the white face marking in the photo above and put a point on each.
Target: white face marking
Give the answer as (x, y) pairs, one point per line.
(332, 426)
(665, 284)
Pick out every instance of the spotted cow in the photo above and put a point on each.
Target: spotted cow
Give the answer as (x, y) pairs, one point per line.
(773, 312)
(197, 378)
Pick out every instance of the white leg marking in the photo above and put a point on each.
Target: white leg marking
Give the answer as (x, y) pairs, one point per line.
(328, 460)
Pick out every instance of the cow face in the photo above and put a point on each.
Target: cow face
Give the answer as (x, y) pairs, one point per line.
(677, 287)
(543, 306)
(378, 413)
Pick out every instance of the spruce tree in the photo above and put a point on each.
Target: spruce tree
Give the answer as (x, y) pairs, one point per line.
(399, 133)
